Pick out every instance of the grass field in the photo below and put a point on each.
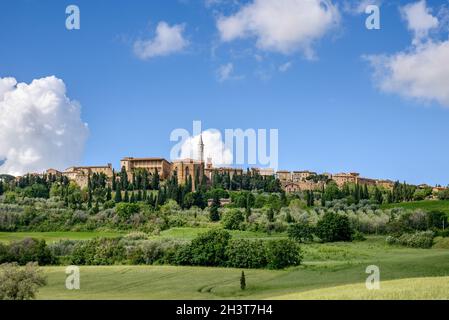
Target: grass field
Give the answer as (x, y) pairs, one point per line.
(409, 289)
(190, 233)
(55, 236)
(427, 205)
(327, 270)
(173, 233)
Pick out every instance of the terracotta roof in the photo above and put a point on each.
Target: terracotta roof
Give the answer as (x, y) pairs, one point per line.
(144, 159)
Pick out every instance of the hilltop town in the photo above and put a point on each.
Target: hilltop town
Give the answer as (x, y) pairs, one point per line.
(290, 181)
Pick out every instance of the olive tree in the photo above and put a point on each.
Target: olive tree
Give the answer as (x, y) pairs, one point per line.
(20, 283)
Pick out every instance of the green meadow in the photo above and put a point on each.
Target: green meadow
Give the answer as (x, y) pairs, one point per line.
(50, 237)
(329, 271)
(426, 205)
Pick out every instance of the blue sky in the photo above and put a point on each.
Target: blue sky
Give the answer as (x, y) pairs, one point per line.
(331, 114)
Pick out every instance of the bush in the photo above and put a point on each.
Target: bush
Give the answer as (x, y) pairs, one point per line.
(207, 249)
(358, 236)
(27, 250)
(62, 248)
(441, 243)
(300, 232)
(100, 251)
(442, 233)
(334, 227)
(18, 283)
(443, 195)
(244, 253)
(158, 251)
(422, 239)
(126, 210)
(282, 253)
(417, 240)
(392, 240)
(437, 219)
(233, 219)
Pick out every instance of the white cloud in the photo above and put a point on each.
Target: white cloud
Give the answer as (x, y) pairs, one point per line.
(167, 40)
(40, 127)
(422, 73)
(284, 67)
(214, 148)
(284, 26)
(226, 72)
(419, 19)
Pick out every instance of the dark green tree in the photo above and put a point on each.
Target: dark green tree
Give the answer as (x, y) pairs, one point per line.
(155, 181)
(242, 281)
(118, 194)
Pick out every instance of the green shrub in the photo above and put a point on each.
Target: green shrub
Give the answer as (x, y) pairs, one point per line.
(126, 210)
(334, 227)
(62, 247)
(207, 249)
(27, 250)
(100, 251)
(423, 239)
(20, 283)
(233, 219)
(245, 253)
(442, 233)
(159, 251)
(391, 240)
(358, 236)
(418, 239)
(441, 243)
(282, 253)
(300, 232)
(437, 219)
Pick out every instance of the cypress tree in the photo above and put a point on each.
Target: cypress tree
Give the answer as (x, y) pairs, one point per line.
(118, 194)
(243, 281)
(109, 194)
(114, 182)
(139, 196)
(124, 179)
(213, 211)
(155, 181)
(365, 192)
(126, 199)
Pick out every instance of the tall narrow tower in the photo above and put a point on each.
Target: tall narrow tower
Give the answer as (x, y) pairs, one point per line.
(201, 149)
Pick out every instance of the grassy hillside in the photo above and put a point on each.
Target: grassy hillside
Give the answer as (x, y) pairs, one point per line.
(411, 289)
(325, 266)
(55, 236)
(173, 233)
(427, 205)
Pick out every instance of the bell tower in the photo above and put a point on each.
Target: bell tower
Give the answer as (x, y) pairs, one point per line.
(201, 149)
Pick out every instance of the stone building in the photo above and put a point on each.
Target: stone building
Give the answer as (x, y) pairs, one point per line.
(187, 167)
(163, 167)
(298, 176)
(264, 172)
(53, 172)
(343, 178)
(80, 175)
(291, 187)
(284, 176)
